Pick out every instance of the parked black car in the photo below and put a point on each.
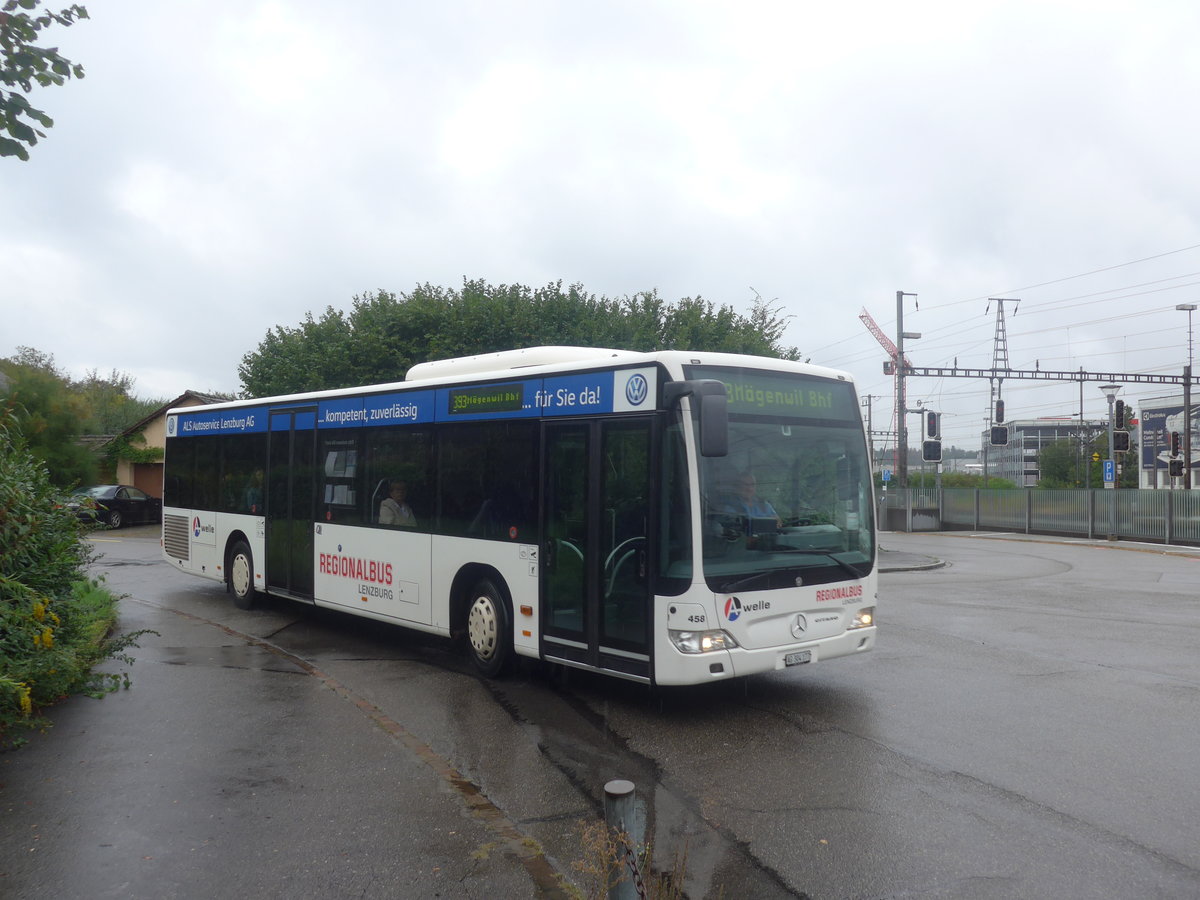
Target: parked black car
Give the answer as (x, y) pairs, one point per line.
(115, 505)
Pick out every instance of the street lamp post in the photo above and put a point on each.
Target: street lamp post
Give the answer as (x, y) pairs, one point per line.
(1110, 391)
(1189, 308)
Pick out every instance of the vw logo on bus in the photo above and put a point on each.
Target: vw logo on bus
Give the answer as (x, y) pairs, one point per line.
(636, 390)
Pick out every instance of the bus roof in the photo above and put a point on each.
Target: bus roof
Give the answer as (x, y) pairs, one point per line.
(505, 363)
(514, 359)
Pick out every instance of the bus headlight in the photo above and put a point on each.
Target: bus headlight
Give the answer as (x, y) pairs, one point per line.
(864, 618)
(701, 641)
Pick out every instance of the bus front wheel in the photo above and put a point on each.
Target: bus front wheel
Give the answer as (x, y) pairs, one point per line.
(241, 576)
(489, 629)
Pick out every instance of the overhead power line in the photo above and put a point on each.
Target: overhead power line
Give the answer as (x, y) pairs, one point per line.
(1029, 287)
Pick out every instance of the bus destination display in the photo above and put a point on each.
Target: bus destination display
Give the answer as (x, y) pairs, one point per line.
(488, 399)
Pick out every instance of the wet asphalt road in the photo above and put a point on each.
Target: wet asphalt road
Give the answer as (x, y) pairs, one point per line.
(1027, 727)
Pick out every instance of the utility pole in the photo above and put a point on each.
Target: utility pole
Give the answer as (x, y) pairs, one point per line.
(901, 401)
(1187, 426)
(999, 365)
(866, 401)
(1188, 308)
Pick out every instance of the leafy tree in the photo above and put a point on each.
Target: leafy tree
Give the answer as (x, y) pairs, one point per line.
(1058, 465)
(110, 402)
(49, 418)
(32, 358)
(51, 412)
(22, 64)
(385, 334)
(314, 355)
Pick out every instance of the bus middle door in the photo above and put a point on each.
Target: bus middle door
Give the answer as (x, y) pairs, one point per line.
(595, 553)
(291, 502)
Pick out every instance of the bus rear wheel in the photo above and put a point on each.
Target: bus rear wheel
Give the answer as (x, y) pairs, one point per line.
(241, 576)
(489, 629)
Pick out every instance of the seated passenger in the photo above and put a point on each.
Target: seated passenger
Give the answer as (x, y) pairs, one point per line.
(394, 510)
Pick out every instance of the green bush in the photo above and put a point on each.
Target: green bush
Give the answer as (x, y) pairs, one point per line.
(55, 622)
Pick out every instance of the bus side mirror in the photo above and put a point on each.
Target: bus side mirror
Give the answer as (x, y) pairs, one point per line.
(712, 403)
(714, 423)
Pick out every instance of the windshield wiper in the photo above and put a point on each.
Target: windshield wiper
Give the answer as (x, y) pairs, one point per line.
(748, 580)
(841, 563)
(741, 583)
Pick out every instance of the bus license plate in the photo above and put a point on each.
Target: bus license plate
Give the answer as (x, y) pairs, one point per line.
(795, 659)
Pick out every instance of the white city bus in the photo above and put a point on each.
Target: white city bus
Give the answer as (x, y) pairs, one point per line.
(671, 518)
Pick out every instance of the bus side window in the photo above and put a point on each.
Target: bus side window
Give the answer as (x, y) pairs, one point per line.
(399, 453)
(486, 480)
(340, 479)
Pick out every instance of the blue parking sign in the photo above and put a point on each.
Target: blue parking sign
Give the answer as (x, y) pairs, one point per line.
(1110, 471)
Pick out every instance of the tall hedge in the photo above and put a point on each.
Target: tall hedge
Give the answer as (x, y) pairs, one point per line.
(55, 622)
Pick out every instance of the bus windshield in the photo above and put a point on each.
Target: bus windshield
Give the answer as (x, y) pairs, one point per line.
(791, 502)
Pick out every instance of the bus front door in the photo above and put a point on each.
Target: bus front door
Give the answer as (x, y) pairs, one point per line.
(291, 497)
(595, 553)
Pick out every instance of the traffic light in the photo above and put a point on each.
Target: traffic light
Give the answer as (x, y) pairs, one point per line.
(931, 451)
(1000, 414)
(932, 425)
(1120, 423)
(1176, 439)
(999, 435)
(1175, 468)
(1120, 442)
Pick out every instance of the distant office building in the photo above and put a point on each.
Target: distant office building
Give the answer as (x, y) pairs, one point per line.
(1018, 461)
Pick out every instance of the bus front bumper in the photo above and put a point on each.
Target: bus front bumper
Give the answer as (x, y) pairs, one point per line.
(686, 668)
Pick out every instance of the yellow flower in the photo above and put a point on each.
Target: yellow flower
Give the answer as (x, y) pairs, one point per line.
(47, 638)
(39, 610)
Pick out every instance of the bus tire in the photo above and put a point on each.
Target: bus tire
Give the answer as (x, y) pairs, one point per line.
(241, 576)
(489, 629)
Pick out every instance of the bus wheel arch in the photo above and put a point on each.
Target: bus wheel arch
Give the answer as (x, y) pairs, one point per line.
(239, 571)
(483, 612)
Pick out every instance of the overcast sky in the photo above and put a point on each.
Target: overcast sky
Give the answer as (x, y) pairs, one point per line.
(226, 166)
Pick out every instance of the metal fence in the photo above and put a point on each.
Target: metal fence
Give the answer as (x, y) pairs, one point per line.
(1168, 517)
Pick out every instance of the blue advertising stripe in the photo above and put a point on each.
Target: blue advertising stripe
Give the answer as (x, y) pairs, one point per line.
(565, 395)
(299, 420)
(571, 395)
(395, 408)
(250, 420)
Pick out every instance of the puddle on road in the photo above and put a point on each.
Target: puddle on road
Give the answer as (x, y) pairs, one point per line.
(589, 753)
(231, 656)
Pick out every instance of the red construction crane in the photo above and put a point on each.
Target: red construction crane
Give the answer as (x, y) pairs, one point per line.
(894, 353)
(883, 339)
